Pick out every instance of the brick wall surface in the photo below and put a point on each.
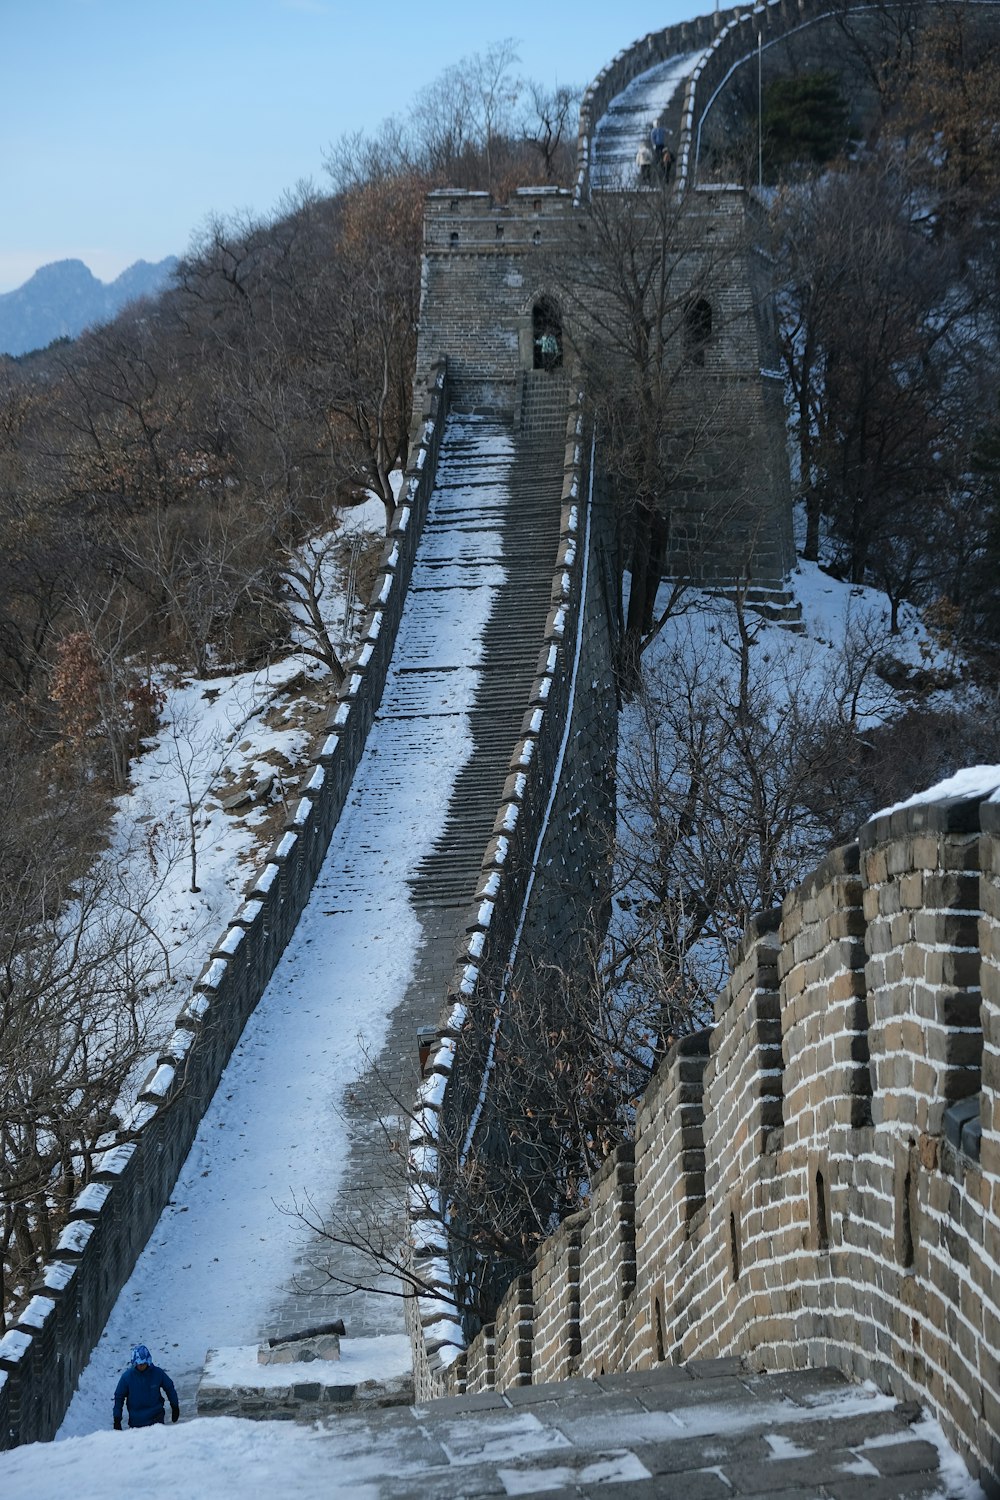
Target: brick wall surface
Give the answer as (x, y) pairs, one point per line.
(801, 1192)
(607, 1262)
(486, 264)
(555, 1296)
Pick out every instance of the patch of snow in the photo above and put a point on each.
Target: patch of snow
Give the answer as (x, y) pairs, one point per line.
(36, 1312)
(200, 1460)
(492, 1440)
(958, 1482)
(14, 1345)
(978, 783)
(92, 1198)
(376, 1358)
(783, 1447)
(73, 1239)
(609, 1468)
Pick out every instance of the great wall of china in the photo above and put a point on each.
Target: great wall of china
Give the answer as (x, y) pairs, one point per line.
(816, 1181)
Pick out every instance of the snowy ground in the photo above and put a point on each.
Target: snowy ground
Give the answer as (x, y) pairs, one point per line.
(247, 730)
(840, 620)
(226, 1247)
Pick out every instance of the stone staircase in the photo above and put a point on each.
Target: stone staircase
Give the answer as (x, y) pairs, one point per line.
(447, 877)
(511, 641)
(541, 406)
(773, 602)
(698, 1431)
(491, 512)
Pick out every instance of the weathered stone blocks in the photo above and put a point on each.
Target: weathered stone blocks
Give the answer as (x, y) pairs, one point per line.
(851, 1232)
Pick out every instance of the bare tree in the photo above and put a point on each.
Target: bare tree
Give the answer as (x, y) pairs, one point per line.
(78, 956)
(719, 756)
(881, 41)
(886, 344)
(644, 315)
(551, 127)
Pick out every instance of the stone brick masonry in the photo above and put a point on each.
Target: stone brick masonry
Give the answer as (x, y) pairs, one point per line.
(487, 264)
(797, 1197)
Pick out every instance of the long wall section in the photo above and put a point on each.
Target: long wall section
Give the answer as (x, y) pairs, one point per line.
(537, 877)
(815, 1181)
(42, 1355)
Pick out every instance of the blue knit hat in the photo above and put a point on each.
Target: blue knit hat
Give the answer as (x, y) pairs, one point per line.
(140, 1355)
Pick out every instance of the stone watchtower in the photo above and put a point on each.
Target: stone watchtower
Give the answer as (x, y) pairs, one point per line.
(505, 285)
(487, 296)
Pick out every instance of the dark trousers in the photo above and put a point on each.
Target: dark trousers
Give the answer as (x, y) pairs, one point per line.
(156, 1421)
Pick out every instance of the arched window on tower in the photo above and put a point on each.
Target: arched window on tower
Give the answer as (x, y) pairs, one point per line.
(697, 330)
(546, 335)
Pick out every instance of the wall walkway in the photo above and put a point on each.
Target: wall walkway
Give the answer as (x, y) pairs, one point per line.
(42, 1356)
(480, 513)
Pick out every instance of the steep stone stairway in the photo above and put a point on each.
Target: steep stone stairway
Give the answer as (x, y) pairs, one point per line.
(629, 118)
(495, 516)
(529, 531)
(708, 1430)
(295, 1120)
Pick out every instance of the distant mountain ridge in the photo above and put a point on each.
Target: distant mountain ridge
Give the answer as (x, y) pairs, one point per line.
(62, 299)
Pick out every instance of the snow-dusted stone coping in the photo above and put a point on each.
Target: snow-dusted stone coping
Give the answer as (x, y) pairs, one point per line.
(42, 1356)
(815, 1181)
(497, 913)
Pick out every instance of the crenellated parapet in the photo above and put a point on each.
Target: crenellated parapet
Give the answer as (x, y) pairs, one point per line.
(815, 1180)
(922, 910)
(826, 1080)
(988, 1141)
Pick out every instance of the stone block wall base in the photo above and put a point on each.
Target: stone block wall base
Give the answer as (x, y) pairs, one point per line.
(292, 1395)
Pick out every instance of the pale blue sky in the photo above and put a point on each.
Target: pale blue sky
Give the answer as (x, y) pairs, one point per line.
(123, 123)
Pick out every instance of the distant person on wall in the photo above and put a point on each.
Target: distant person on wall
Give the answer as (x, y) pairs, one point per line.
(549, 357)
(663, 157)
(644, 161)
(142, 1387)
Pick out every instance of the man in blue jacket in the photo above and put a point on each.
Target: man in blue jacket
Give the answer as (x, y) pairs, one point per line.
(141, 1386)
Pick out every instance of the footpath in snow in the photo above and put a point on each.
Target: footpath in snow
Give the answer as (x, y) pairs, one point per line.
(226, 1250)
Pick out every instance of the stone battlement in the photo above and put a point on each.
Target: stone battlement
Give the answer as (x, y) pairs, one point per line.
(815, 1181)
